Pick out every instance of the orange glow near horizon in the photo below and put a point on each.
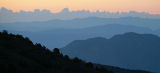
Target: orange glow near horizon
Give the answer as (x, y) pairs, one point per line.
(149, 6)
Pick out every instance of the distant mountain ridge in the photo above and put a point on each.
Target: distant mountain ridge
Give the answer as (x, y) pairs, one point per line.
(87, 27)
(129, 50)
(7, 15)
(81, 23)
(62, 37)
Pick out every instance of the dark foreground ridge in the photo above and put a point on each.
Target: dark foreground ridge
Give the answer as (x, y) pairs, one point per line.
(20, 55)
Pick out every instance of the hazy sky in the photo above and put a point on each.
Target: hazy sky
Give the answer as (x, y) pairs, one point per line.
(151, 6)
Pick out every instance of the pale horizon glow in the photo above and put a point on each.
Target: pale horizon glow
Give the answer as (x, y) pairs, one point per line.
(149, 6)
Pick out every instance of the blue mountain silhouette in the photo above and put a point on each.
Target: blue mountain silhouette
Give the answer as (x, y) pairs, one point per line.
(129, 50)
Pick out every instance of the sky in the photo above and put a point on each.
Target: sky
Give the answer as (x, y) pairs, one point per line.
(149, 6)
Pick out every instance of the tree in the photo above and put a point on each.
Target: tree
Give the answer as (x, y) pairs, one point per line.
(28, 40)
(56, 51)
(67, 57)
(76, 60)
(5, 32)
(38, 45)
(89, 64)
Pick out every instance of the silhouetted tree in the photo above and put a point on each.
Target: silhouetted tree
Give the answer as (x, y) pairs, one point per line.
(5, 32)
(76, 59)
(56, 51)
(19, 36)
(38, 45)
(67, 57)
(89, 64)
(29, 41)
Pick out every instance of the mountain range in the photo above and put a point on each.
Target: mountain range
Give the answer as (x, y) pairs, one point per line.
(129, 50)
(61, 30)
(81, 23)
(62, 37)
(7, 16)
(44, 26)
(18, 54)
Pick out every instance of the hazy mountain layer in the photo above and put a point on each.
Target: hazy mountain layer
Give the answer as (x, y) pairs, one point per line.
(129, 50)
(81, 23)
(62, 37)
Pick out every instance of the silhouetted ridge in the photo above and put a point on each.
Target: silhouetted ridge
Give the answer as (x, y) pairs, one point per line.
(122, 70)
(133, 34)
(97, 38)
(129, 50)
(20, 55)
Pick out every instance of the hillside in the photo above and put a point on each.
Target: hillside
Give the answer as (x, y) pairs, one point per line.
(20, 55)
(129, 50)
